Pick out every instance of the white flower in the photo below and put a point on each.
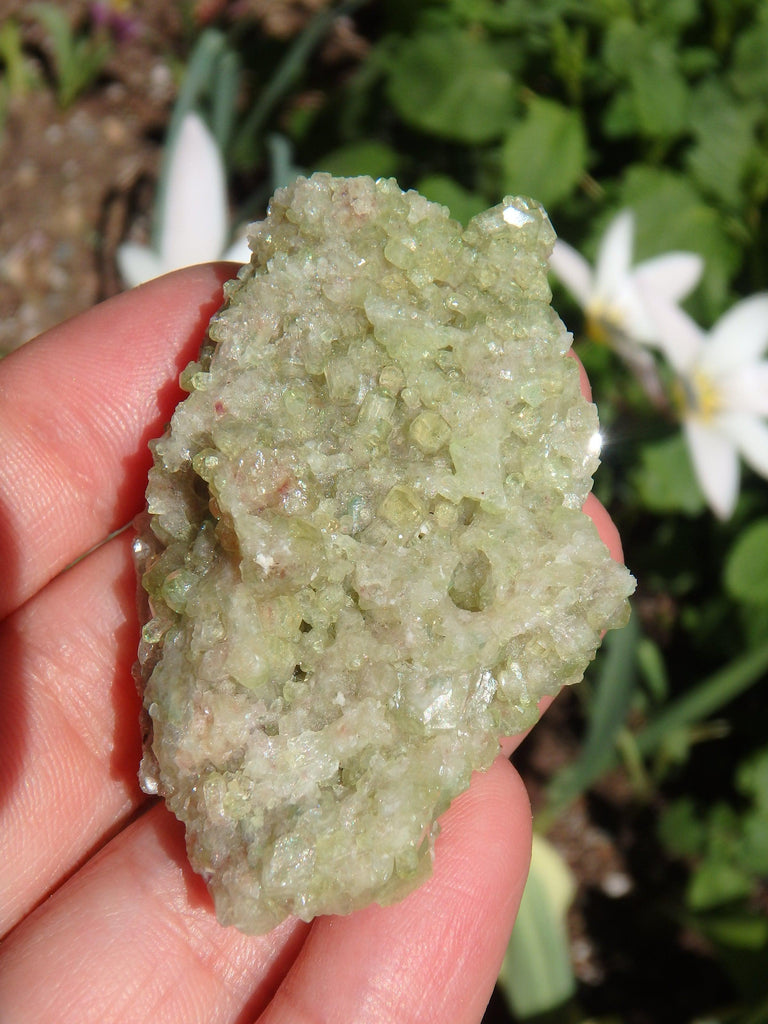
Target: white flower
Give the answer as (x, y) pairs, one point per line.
(193, 218)
(611, 295)
(723, 392)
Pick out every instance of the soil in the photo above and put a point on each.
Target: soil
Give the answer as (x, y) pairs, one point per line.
(70, 179)
(74, 183)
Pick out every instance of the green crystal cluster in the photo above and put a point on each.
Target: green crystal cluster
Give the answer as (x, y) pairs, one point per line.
(365, 557)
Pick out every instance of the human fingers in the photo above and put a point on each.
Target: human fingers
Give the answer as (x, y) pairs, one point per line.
(144, 926)
(77, 408)
(131, 938)
(434, 956)
(69, 733)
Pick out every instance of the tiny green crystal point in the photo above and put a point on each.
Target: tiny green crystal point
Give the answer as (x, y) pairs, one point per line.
(365, 556)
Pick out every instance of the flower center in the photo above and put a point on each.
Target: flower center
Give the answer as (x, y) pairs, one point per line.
(604, 323)
(697, 395)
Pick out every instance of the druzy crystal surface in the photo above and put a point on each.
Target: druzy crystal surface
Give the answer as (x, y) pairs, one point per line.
(365, 557)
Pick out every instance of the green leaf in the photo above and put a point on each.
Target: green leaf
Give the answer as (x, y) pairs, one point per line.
(743, 931)
(754, 845)
(463, 204)
(77, 59)
(653, 670)
(507, 15)
(752, 779)
(672, 214)
(654, 100)
(536, 974)
(18, 71)
(716, 882)
(681, 829)
(450, 83)
(671, 16)
(665, 480)
(545, 154)
(659, 92)
(746, 566)
(748, 76)
(725, 140)
(363, 157)
(705, 698)
(608, 708)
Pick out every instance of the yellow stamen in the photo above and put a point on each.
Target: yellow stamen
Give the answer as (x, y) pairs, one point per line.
(604, 324)
(697, 395)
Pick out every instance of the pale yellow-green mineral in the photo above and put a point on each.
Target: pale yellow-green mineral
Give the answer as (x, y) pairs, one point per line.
(365, 556)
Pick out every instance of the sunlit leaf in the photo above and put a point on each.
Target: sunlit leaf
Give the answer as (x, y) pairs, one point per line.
(672, 214)
(748, 75)
(719, 168)
(450, 83)
(363, 157)
(746, 568)
(665, 480)
(462, 203)
(607, 711)
(545, 154)
(536, 975)
(717, 882)
(681, 829)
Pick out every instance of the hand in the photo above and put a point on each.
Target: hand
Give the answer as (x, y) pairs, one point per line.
(105, 921)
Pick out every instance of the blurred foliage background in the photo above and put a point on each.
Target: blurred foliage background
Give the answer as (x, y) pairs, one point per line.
(592, 107)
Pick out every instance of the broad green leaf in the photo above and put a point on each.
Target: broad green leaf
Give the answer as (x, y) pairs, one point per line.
(624, 43)
(752, 779)
(674, 15)
(504, 15)
(545, 154)
(681, 829)
(725, 140)
(462, 203)
(536, 974)
(716, 882)
(654, 100)
(742, 931)
(746, 567)
(659, 93)
(672, 214)
(364, 157)
(665, 480)
(748, 75)
(620, 115)
(450, 83)
(754, 845)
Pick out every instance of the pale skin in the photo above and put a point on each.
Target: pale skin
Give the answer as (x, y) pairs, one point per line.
(103, 919)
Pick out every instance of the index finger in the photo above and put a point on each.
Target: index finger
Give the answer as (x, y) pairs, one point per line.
(77, 408)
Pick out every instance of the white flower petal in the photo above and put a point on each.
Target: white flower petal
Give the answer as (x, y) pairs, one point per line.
(637, 323)
(750, 436)
(238, 251)
(746, 389)
(738, 337)
(573, 270)
(137, 264)
(716, 465)
(194, 216)
(678, 336)
(614, 256)
(675, 274)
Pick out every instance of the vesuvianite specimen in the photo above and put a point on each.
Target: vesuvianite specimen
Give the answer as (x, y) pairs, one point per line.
(366, 557)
